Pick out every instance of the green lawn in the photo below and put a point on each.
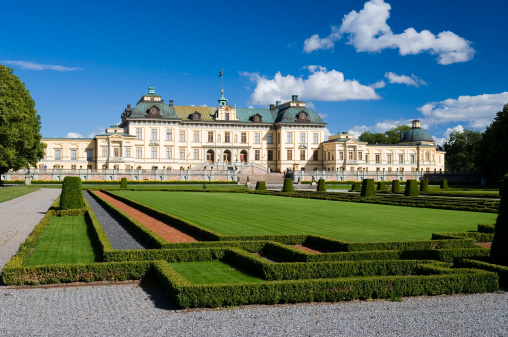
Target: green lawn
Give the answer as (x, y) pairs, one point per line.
(215, 271)
(11, 192)
(169, 187)
(65, 240)
(250, 214)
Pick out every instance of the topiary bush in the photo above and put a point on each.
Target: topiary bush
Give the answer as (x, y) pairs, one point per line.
(260, 186)
(321, 185)
(411, 188)
(123, 183)
(396, 186)
(368, 189)
(288, 185)
(499, 249)
(424, 185)
(444, 184)
(381, 186)
(356, 187)
(72, 196)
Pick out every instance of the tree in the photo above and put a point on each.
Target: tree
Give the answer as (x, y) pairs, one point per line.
(492, 155)
(461, 149)
(499, 249)
(20, 138)
(391, 136)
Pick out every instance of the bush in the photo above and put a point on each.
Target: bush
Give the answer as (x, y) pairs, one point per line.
(424, 185)
(444, 184)
(72, 195)
(288, 185)
(321, 185)
(260, 186)
(499, 249)
(368, 189)
(381, 186)
(411, 188)
(396, 186)
(123, 183)
(486, 228)
(356, 187)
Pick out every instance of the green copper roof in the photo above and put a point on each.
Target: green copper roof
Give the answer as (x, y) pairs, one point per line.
(184, 112)
(245, 114)
(289, 115)
(417, 135)
(141, 110)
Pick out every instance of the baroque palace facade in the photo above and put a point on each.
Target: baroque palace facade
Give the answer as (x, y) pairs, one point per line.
(287, 136)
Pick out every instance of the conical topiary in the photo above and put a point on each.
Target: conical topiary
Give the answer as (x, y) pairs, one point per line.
(288, 185)
(381, 185)
(321, 185)
(411, 189)
(260, 186)
(368, 188)
(123, 183)
(71, 196)
(499, 248)
(444, 184)
(396, 186)
(424, 185)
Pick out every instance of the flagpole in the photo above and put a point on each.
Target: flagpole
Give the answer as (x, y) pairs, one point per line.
(222, 77)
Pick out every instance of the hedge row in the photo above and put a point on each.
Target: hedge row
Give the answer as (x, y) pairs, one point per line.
(486, 228)
(502, 271)
(140, 182)
(478, 237)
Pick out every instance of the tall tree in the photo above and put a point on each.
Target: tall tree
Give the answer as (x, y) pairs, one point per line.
(391, 136)
(492, 156)
(20, 138)
(461, 149)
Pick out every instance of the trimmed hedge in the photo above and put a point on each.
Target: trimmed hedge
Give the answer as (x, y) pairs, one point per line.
(501, 271)
(260, 186)
(478, 237)
(443, 184)
(288, 185)
(357, 187)
(424, 185)
(368, 189)
(381, 185)
(321, 185)
(411, 189)
(72, 196)
(140, 182)
(123, 183)
(395, 186)
(486, 228)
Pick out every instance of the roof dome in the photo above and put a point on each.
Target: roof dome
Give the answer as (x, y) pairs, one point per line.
(416, 134)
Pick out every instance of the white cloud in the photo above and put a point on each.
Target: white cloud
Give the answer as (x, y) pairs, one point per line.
(37, 66)
(412, 80)
(327, 133)
(73, 135)
(367, 30)
(310, 105)
(477, 111)
(320, 85)
(323, 116)
(379, 84)
(204, 105)
(99, 130)
(380, 127)
(441, 141)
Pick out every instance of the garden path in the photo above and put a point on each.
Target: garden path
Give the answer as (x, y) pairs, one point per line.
(19, 216)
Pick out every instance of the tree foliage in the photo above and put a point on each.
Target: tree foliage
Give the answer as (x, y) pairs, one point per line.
(20, 138)
(499, 249)
(461, 150)
(391, 136)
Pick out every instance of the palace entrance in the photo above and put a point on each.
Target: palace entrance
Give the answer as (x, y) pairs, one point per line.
(227, 156)
(243, 156)
(210, 156)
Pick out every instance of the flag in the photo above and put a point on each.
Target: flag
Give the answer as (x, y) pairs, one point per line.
(220, 74)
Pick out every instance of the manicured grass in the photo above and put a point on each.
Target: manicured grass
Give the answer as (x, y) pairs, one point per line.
(251, 214)
(209, 272)
(11, 192)
(65, 240)
(168, 187)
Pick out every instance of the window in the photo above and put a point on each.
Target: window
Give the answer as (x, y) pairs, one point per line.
(139, 134)
(139, 152)
(427, 156)
(182, 136)
(401, 159)
(290, 138)
(128, 152)
(329, 155)
(377, 159)
(210, 136)
(182, 153)
(104, 151)
(236, 139)
(302, 138)
(270, 155)
(74, 154)
(227, 137)
(270, 138)
(257, 154)
(360, 155)
(341, 155)
(226, 116)
(315, 138)
(351, 155)
(89, 155)
(289, 154)
(73, 167)
(257, 138)
(389, 158)
(218, 138)
(302, 154)
(154, 134)
(196, 136)
(116, 152)
(154, 152)
(169, 153)
(196, 154)
(389, 169)
(169, 134)
(412, 159)
(243, 137)
(315, 155)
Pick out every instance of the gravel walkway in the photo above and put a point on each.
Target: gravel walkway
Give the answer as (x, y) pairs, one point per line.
(131, 310)
(120, 236)
(19, 216)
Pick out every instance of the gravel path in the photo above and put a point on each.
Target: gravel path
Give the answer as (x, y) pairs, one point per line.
(131, 310)
(120, 236)
(19, 216)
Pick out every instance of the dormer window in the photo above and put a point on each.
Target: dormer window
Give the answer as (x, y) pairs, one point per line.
(257, 118)
(302, 117)
(195, 116)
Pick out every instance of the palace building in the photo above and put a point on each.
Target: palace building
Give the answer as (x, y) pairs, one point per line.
(286, 136)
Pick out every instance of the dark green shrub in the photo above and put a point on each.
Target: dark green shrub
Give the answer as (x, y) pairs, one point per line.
(411, 189)
(260, 186)
(288, 185)
(486, 228)
(321, 185)
(72, 196)
(123, 183)
(499, 249)
(424, 185)
(368, 189)
(444, 184)
(396, 186)
(381, 185)
(356, 187)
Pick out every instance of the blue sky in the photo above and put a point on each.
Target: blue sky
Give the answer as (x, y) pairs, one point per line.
(363, 65)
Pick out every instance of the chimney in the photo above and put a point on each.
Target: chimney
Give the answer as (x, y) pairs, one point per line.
(170, 102)
(272, 106)
(128, 106)
(295, 98)
(277, 103)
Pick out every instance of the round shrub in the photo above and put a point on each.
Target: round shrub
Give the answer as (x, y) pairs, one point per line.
(396, 186)
(321, 185)
(444, 184)
(368, 189)
(381, 186)
(123, 183)
(72, 196)
(260, 186)
(411, 188)
(499, 248)
(424, 185)
(288, 185)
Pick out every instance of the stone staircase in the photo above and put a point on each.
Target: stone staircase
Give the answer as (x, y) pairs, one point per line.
(268, 178)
